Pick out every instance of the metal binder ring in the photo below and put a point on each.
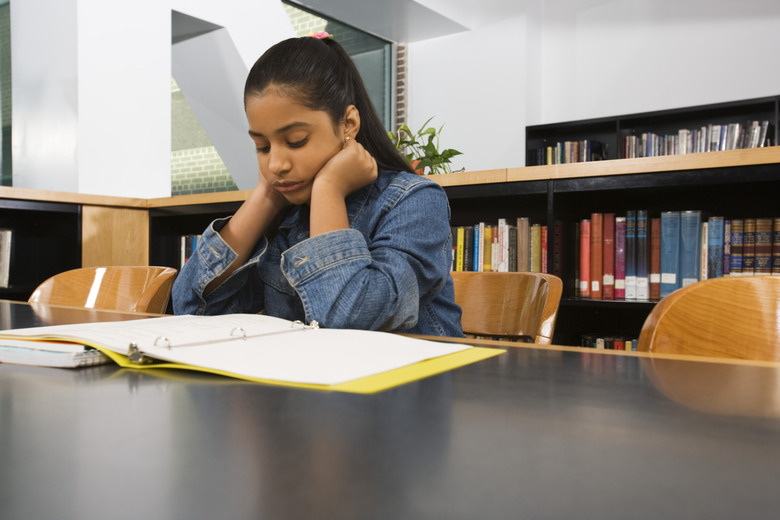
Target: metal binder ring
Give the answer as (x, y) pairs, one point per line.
(238, 329)
(163, 338)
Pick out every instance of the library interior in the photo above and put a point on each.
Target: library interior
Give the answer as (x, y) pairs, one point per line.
(615, 251)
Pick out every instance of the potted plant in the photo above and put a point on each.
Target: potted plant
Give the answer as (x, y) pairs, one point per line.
(421, 148)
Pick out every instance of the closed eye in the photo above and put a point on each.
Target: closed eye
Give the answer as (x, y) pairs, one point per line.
(299, 144)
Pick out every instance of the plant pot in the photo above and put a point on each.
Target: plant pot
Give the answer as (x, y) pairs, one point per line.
(420, 171)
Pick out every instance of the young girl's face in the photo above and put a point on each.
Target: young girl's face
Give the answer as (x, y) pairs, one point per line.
(293, 142)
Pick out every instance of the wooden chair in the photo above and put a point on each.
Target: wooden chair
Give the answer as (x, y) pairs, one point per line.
(125, 288)
(721, 317)
(512, 305)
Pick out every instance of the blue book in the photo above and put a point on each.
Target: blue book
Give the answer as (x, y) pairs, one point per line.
(690, 247)
(715, 239)
(642, 256)
(630, 255)
(670, 252)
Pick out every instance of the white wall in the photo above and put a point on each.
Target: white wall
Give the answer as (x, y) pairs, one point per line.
(562, 60)
(91, 87)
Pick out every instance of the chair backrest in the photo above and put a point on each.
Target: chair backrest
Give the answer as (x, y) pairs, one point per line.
(522, 305)
(121, 288)
(733, 317)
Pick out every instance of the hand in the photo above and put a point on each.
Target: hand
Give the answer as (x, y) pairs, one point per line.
(346, 172)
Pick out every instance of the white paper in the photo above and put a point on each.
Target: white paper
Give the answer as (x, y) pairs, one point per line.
(257, 346)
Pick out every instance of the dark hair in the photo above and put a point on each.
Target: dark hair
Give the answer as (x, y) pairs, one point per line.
(320, 75)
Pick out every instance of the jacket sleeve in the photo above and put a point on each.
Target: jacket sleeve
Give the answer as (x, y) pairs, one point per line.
(345, 280)
(211, 258)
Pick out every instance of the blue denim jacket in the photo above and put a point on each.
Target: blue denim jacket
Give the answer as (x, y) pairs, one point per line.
(389, 271)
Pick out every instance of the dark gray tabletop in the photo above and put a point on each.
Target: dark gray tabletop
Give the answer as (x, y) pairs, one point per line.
(532, 433)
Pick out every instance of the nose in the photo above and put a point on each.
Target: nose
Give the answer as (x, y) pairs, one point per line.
(278, 160)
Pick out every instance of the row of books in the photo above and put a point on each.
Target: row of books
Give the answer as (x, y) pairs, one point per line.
(565, 152)
(636, 257)
(709, 138)
(187, 245)
(608, 342)
(506, 246)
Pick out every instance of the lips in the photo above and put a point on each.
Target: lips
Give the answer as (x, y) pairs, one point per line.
(284, 187)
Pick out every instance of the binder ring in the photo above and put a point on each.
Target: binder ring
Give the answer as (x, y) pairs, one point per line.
(238, 329)
(167, 343)
(299, 323)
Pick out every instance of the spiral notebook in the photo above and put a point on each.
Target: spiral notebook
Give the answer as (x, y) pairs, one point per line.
(266, 349)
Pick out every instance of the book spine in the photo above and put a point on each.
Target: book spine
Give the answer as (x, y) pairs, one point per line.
(703, 250)
(479, 232)
(690, 242)
(557, 252)
(536, 248)
(544, 250)
(468, 248)
(670, 252)
(642, 257)
(596, 254)
(620, 258)
(630, 255)
(749, 247)
(715, 233)
(763, 248)
(585, 258)
(459, 253)
(726, 247)
(655, 258)
(6, 239)
(608, 271)
(776, 246)
(523, 241)
(737, 239)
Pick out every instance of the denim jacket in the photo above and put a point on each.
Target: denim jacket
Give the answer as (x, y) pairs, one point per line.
(389, 271)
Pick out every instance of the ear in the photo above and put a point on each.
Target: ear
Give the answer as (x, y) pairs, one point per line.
(351, 125)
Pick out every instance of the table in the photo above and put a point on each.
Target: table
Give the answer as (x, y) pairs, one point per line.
(537, 432)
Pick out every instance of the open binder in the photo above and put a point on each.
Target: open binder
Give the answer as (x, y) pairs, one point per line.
(266, 349)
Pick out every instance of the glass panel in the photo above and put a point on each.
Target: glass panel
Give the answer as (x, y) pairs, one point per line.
(372, 55)
(5, 91)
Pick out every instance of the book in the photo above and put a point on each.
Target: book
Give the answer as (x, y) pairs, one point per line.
(585, 258)
(655, 258)
(737, 237)
(630, 255)
(749, 247)
(596, 254)
(620, 258)
(608, 271)
(523, 244)
(264, 349)
(763, 247)
(536, 248)
(459, 237)
(690, 243)
(6, 238)
(703, 249)
(670, 252)
(776, 246)
(642, 257)
(726, 247)
(715, 232)
(50, 354)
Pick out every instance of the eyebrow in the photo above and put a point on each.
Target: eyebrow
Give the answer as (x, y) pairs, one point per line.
(285, 128)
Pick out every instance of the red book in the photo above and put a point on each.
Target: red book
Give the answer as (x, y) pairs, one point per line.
(585, 258)
(596, 254)
(655, 258)
(608, 274)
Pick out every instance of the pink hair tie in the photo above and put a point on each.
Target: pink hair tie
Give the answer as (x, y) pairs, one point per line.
(321, 35)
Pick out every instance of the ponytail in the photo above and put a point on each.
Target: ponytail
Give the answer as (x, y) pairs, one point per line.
(320, 75)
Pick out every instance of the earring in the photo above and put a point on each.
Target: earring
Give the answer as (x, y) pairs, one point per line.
(346, 139)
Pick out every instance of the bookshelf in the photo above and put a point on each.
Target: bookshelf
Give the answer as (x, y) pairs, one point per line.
(738, 183)
(612, 131)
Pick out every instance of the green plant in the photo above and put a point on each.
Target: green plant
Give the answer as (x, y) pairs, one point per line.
(423, 146)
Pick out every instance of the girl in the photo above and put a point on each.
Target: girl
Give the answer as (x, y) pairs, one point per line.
(337, 230)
